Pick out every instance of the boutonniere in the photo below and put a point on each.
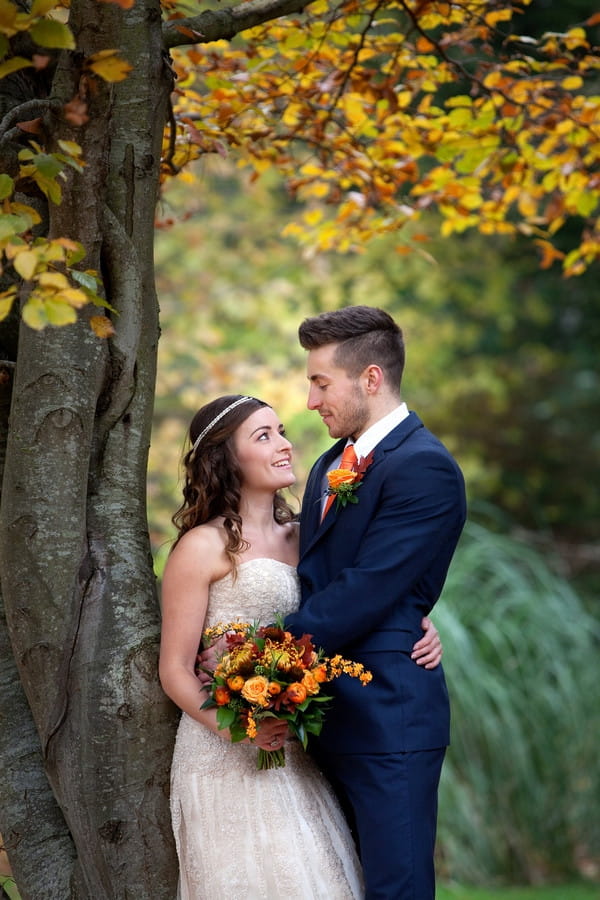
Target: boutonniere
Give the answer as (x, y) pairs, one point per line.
(344, 483)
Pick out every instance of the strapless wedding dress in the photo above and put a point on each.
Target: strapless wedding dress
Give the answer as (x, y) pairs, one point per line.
(244, 834)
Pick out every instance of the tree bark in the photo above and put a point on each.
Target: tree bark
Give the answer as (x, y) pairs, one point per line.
(75, 557)
(90, 732)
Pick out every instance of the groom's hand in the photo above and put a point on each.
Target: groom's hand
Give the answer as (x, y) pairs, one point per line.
(207, 661)
(427, 651)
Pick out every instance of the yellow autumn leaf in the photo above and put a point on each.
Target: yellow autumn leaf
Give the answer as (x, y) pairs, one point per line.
(70, 147)
(471, 200)
(572, 83)
(109, 65)
(498, 15)
(41, 7)
(28, 213)
(354, 108)
(55, 280)
(73, 297)
(313, 216)
(460, 117)
(50, 33)
(7, 298)
(459, 100)
(583, 202)
(13, 65)
(34, 313)
(26, 262)
(527, 205)
(8, 18)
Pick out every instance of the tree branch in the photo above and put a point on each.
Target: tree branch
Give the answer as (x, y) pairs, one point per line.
(224, 24)
(24, 112)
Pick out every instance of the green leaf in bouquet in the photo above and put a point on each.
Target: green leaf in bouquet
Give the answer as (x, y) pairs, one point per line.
(226, 718)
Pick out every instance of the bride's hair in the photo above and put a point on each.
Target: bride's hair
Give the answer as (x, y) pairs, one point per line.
(213, 478)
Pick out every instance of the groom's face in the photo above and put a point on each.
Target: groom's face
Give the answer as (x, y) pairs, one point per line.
(340, 400)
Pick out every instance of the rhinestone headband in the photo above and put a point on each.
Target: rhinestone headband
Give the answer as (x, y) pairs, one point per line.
(218, 419)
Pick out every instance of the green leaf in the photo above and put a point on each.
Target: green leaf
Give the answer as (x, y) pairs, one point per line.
(48, 165)
(60, 313)
(225, 717)
(6, 186)
(50, 33)
(85, 280)
(9, 886)
(12, 225)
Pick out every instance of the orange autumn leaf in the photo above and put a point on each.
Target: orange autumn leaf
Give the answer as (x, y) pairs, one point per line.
(75, 111)
(102, 326)
(124, 4)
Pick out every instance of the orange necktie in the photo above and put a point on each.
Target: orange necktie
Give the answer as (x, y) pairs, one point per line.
(348, 461)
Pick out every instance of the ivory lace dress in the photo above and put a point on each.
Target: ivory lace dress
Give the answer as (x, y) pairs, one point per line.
(244, 834)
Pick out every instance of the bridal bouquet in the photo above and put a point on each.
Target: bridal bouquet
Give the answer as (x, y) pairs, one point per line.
(265, 671)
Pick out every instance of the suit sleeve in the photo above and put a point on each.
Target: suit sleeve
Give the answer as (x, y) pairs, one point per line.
(403, 555)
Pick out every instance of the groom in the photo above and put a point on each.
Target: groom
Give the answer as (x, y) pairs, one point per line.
(369, 572)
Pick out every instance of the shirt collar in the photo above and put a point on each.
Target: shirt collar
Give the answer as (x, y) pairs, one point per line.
(376, 433)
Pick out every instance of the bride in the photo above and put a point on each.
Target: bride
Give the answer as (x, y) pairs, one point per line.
(243, 834)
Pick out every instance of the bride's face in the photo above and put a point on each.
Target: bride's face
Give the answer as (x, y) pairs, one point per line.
(263, 451)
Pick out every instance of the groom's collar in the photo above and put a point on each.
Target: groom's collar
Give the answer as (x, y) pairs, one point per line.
(379, 430)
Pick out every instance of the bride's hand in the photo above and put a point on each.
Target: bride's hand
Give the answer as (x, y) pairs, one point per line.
(427, 651)
(271, 734)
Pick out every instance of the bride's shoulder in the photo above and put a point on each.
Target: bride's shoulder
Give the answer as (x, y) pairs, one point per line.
(203, 547)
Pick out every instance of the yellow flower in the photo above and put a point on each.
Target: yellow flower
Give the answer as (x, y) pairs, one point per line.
(285, 657)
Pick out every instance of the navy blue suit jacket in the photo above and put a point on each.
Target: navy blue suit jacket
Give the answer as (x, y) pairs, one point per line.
(369, 572)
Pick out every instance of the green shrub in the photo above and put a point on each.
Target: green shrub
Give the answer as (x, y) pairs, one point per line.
(520, 786)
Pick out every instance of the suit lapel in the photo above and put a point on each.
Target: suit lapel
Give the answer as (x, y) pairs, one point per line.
(312, 527)
(312, 503)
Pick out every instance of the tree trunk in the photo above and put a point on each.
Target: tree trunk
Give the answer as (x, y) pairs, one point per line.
(75, 560)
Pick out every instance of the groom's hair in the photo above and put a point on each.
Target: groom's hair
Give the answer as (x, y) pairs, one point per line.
(365, 336)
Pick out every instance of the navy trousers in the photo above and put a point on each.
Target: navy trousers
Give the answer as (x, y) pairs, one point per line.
(390, 801)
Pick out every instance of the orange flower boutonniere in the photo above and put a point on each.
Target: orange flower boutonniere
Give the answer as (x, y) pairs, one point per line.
(343, 483)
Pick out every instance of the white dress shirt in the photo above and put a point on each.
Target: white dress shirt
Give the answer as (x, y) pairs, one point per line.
(370, 438)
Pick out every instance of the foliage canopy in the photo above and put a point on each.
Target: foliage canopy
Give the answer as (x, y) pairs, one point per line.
(375, 111)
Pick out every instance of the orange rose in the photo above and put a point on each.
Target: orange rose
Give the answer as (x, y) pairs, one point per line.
(320, 674)
(310, 683)
(338, 477)
(296, 692)
(256, 690)
(274, 688)
(235, 682)
(222, 695)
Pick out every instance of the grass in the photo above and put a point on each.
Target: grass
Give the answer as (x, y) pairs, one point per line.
(578, 891)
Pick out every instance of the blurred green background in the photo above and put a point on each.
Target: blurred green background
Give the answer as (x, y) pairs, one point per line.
(502, 365)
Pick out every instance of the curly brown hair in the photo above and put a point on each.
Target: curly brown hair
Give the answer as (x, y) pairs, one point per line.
(212, 477)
